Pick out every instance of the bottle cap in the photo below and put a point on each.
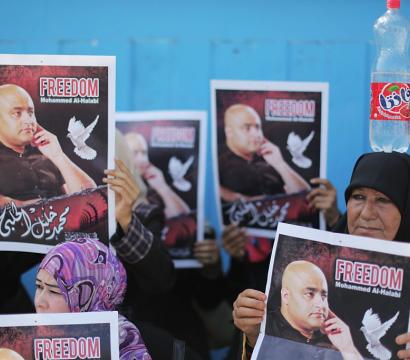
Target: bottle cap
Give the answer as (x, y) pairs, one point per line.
(393, 4)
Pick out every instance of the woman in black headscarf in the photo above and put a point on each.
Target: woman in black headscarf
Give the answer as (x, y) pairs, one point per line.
(378, 206)
(378, 197)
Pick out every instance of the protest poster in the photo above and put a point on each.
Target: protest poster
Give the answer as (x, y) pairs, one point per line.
(269, 140)
(83, 335)
(56, 139)
(334, 296)
(168, 150)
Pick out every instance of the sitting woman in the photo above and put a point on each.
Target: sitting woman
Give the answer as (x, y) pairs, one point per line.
(84, 275)
(378, 206)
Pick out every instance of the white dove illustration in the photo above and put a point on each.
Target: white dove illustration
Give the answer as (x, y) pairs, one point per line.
(78, 134)
(177, 170)
(297, 146)
(373, 330)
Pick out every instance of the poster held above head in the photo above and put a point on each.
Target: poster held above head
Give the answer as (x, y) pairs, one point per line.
(168, 150)
(269, 140)
(56, 139)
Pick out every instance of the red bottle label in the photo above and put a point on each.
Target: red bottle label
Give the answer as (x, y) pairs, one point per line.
(390, 101)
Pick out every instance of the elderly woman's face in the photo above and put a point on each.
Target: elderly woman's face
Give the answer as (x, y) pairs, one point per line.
(371, 213)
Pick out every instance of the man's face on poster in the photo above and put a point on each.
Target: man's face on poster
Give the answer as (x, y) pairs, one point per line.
(139, 148)
(306, 300)
(8, 354)
(17, 119)
(243, 130)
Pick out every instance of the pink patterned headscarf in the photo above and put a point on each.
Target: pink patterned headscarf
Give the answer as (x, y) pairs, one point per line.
(91, 278)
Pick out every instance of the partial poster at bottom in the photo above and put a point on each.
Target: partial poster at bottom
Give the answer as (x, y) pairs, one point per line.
(334, 296)
(91, 335)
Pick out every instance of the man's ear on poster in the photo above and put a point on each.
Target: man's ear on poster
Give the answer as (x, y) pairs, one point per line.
(284, 296)
(228, 131)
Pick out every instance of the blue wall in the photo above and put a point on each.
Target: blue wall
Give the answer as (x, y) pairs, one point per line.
(167, 51)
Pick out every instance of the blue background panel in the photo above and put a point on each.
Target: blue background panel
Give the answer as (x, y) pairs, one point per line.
(167, 52)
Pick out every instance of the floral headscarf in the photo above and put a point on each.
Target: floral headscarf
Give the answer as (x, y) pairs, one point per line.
(91, 278)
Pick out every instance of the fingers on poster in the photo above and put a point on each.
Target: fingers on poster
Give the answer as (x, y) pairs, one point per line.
(168, 150)
(66, 104)
(349, 293)
(259, 129)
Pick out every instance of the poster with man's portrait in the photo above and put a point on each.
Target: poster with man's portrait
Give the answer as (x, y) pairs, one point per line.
(168, 152)
(334, 296)
(56, 139)
(269, 140)
(84, 335)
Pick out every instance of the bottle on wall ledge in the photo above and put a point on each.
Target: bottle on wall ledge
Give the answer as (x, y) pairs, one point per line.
(390, 83)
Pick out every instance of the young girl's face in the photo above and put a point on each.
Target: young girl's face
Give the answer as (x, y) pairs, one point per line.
(48, 298)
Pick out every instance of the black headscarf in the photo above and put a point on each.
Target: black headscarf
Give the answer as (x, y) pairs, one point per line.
(388, 173)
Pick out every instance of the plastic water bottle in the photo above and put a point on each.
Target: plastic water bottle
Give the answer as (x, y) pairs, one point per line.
(390, 83)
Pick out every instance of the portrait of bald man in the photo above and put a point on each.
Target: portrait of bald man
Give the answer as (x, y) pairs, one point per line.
(305, 317)
(250, 165)
(159, 191)
(7, 354)
(31, 156)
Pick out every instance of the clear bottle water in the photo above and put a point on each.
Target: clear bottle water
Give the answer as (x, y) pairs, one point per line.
(390, 83)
